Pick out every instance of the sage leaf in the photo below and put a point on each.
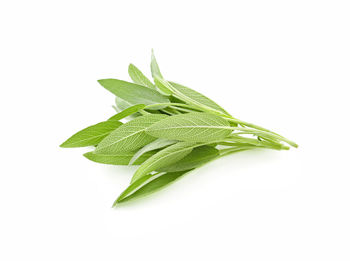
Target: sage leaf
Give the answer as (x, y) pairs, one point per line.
(196, 158)
(163, 86)
(138, 77)
(133, 93)
(91, 135)
(127, 112)
(121, 158)
(170, 130)
(132, 187)
(193, 97)
(157, 144)
(163, 158)
(154, 67)
(193, 126)
(152, 186)
(130, 136)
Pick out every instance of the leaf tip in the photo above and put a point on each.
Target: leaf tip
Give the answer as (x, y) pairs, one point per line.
(65, 144)
(117, 202)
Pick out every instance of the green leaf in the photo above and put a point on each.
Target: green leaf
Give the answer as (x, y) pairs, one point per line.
(121, 104)
(91, 135)
(127, 112)
(138, 77)
(157, 144)
(196, 158)
(164, 158)
(154, 67)
(193, 126)
(133, 93)
(195, 98)
(122, 158)
(150, 187)
(130, 136)
(163, 86)
(132, 187)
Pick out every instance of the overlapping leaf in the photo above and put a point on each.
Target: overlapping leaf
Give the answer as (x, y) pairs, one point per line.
(164, 158)
(194, 126)
(157, 144)
(193, 97)
(121, 158)
(130, 136)
(138, 77)
(133, 93)
(92, 135)
(143, 186)
(196, 131)
(127, 112)
(196, 158)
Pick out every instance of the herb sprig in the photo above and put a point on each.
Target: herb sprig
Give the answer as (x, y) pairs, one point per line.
(168, 130)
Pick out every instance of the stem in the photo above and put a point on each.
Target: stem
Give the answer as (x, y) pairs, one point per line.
(225, 152)
(170, 104)
(263, 130)
(180, 109)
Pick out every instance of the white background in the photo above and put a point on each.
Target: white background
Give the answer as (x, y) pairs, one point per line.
(281, 64)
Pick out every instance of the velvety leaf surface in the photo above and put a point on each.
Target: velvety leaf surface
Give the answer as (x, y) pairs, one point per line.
(122, 158)
(157, 144)
(194, 126)
(196, 98)
(133, 93)
(127, 112)
(130, 137)
(196, 158)
(164, 158)
(138, 77)
(91, 135)
(152, 186)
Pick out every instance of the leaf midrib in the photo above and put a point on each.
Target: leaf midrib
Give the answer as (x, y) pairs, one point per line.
(133, 133)
(197, 126)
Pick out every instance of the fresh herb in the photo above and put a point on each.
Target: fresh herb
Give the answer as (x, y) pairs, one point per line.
(168, 130)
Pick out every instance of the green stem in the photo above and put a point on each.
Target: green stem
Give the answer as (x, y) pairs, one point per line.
(266, 131)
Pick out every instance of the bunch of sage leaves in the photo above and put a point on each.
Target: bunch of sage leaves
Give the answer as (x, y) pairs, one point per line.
(168, 130)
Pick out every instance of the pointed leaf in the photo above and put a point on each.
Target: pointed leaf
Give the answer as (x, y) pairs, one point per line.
(132, 187)
(163, 86)
(157, 144)
(122, 158)
(195, 98)
(127, 112)
(130, 137)
(196, 158)
(149, 187)
(133, 93)
(138, 77)
(164, 158)
(91, 135)
(193, 126)
(154, 67)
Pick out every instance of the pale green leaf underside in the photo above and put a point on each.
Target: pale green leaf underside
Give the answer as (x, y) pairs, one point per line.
(154, 67)
(194, 126)
(138, 77)
(127, 112)
(133, 93)
(122, 158)
(91, 135)
(164, 158)
(145, 188)
(197, 98)
(196, 158)
(131, 188)
(157, 144)
(163, 86)
(130, 136)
